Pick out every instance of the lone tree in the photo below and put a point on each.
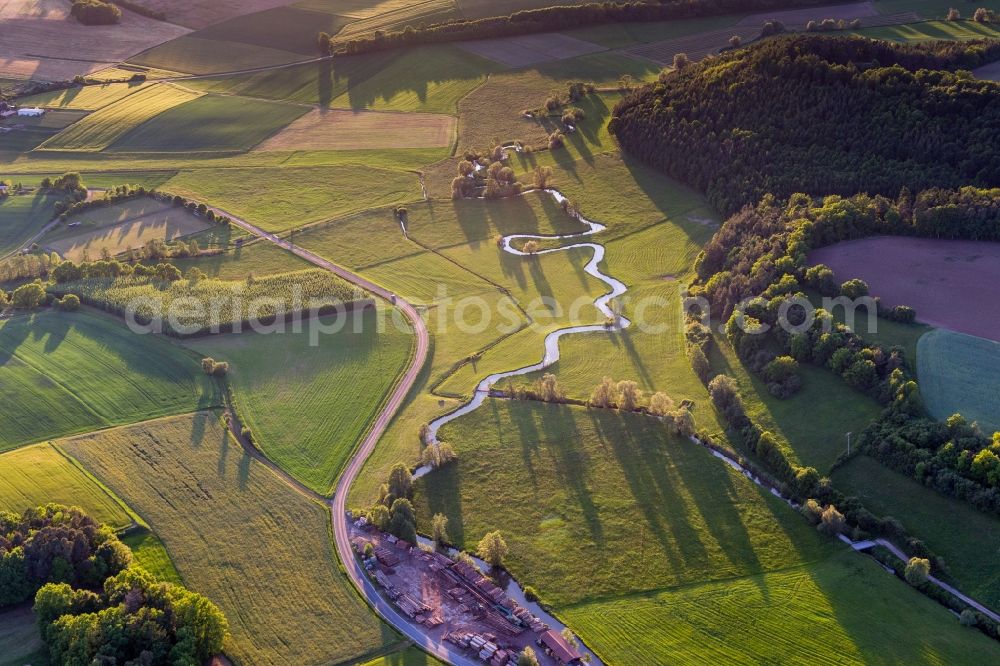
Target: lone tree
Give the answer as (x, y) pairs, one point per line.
(439, 529)
(400, 481)
(681, 61)
(527, 657)
(917, 570)
(492, 549)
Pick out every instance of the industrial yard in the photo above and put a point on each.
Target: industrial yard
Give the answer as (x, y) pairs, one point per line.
(455, 602)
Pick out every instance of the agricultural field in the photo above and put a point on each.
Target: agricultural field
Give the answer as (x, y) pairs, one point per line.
(23, 216)
(67, 373)
(121, 227)
(210, 123)
(957, 374)
(193, 55)
(649, 547)
(21, 135)
(44, 473)
(86, 98)
(308, 402)
(947, 282)
(282, 199)
(238, 534)
(831, 612)
(101, 129)
(199, 306)
(967, 539)
(583, 486)
(335, 129)
(27, 25)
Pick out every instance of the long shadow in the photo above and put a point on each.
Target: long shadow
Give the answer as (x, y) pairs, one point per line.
(560, 438)
(324, 83)
(640, 452)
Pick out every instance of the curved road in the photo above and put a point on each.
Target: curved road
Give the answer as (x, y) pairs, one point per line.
(338, 504)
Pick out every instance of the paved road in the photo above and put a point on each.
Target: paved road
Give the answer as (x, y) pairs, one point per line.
(944, 586)
(338, 505)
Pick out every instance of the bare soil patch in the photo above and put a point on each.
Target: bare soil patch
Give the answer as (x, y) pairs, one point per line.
(342, 129)
(531, 49)
(951, 284)
(39, 39)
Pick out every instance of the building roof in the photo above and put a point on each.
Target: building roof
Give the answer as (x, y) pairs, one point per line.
(561, 650)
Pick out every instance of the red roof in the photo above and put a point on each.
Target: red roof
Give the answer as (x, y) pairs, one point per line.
(561, 650)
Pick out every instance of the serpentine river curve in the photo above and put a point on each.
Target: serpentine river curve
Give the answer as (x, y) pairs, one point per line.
(551, 354)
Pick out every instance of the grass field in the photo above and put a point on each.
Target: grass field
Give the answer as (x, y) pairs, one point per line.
(812, 425)
(210, 123)
(43, 474)
(832, 612)
(195, 55)
(104, 127)
(583, 486)
(237, 534)
(408, 657)
(22, 216)
(291, 29)
(67, 373)
(309, 405)
(934, 30)
(236, 263)
(958, 374)
(431, 79)
(40, 474)
(280, 199)
(89, 98)
(120, 227)
(967, 539)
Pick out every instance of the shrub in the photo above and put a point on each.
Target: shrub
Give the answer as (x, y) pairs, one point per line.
(954, 14)
(831, 521)
(95, 12)
(854, 288)
(917, 571)
(68, 303)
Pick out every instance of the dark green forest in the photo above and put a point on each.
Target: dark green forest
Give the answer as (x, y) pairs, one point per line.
(821, 115)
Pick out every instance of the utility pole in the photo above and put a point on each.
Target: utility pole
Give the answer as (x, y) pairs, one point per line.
(849, 443)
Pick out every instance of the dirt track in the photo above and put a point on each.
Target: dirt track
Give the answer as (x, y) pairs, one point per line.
(951, 284)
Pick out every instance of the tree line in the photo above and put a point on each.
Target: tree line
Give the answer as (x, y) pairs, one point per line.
(823, 115)
(93, 604)
(549, 19)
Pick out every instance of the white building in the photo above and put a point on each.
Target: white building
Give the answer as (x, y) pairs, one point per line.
(31, 112)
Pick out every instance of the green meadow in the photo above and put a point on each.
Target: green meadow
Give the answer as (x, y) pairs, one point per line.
(67, 373)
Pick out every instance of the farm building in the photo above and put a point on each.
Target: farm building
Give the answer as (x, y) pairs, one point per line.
(30, 112)
(562, 652)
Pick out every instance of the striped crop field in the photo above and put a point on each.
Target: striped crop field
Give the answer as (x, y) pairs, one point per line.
(105, 126)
